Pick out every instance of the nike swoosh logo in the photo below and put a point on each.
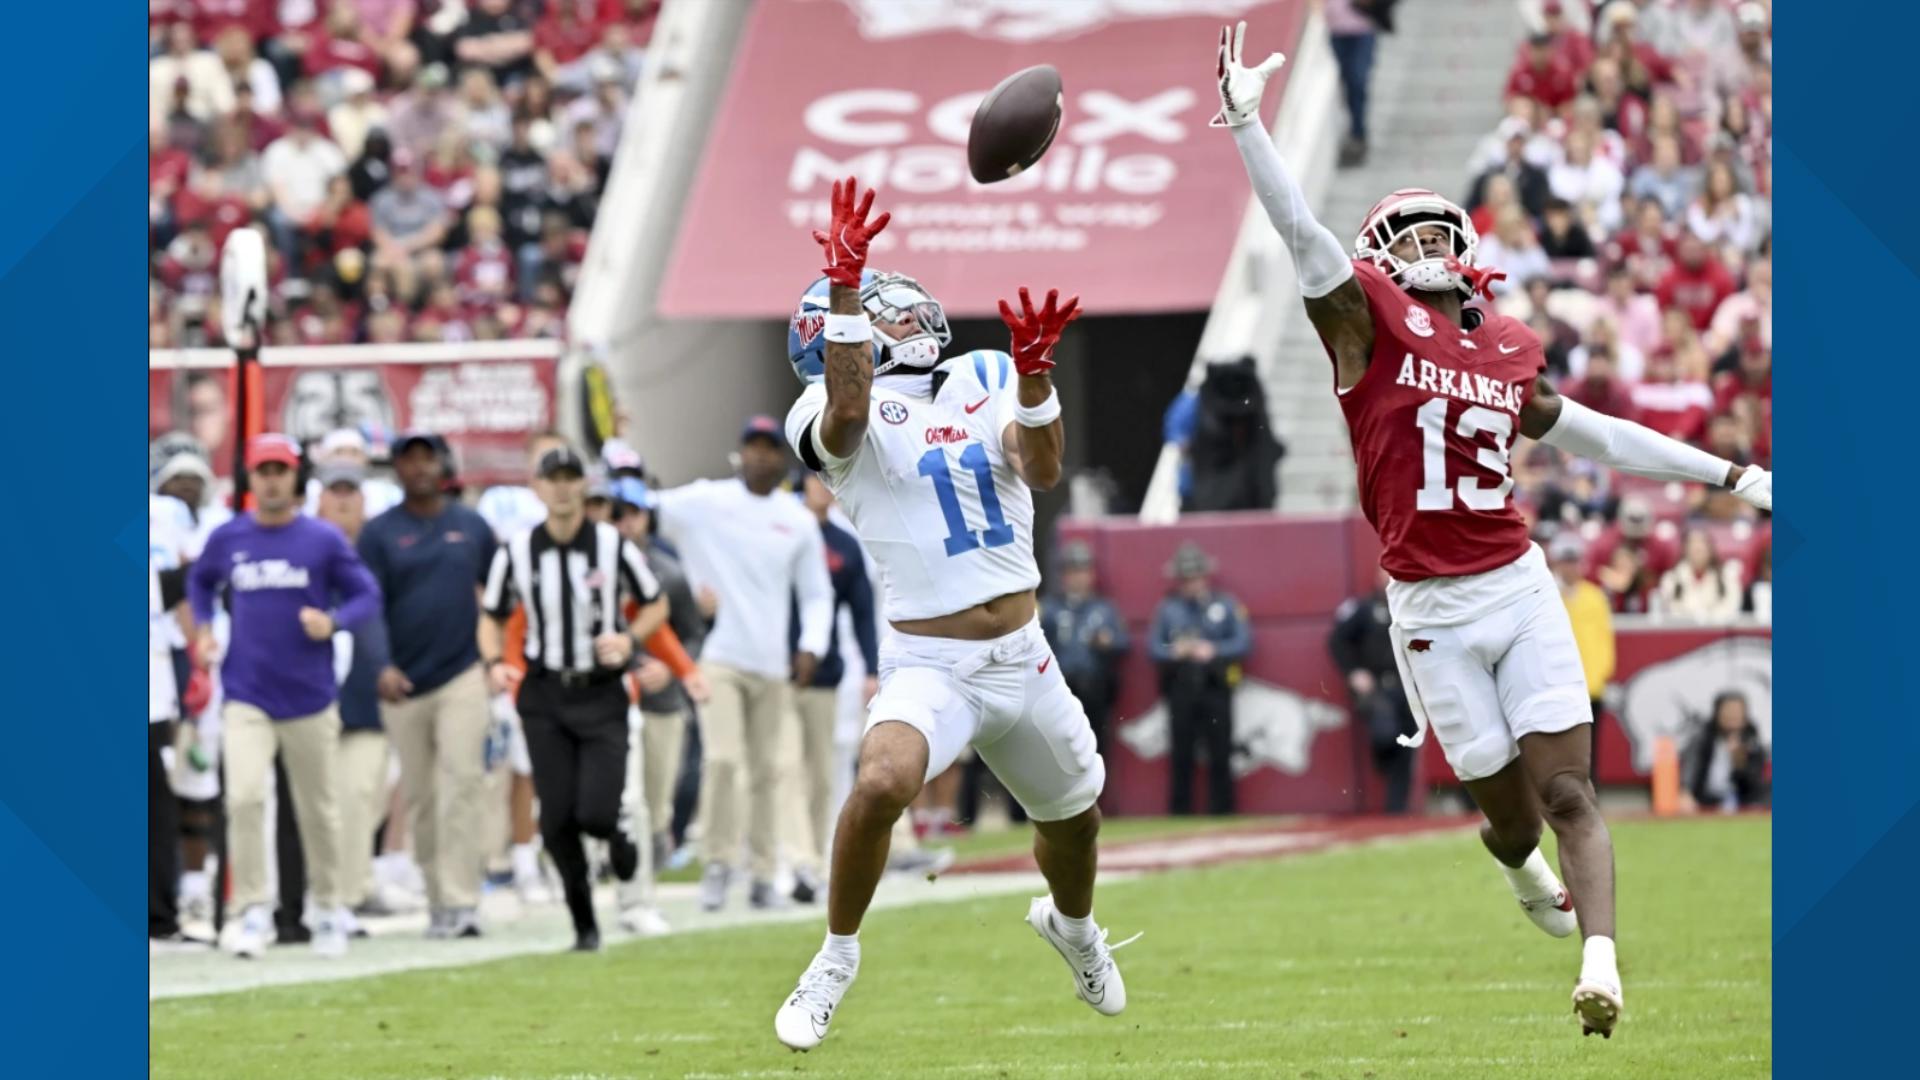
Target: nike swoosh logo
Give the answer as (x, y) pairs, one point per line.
(1509, 352)
(1044, 663)
(977, 404)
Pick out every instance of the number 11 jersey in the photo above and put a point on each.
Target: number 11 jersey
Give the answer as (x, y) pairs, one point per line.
(1433, 422)
(930, 490)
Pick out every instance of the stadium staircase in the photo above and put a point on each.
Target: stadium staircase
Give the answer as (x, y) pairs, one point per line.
(1436, 92)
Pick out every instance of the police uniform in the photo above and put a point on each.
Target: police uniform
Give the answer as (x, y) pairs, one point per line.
(1090, 639)
(1199, 693)
(1361, 641)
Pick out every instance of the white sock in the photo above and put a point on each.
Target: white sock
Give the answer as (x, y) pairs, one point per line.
(1597, 960)
(843, 948)
(196, 885)
(1081, 932)
(1533, 880)
(526, 861)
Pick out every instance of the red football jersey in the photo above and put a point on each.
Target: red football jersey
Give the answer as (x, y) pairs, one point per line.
(1433, 421)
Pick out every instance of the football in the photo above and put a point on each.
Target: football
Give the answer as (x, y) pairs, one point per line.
(1014, 124)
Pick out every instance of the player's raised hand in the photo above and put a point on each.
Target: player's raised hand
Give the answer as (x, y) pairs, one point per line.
(1241, 86)
(1755, 486)
(1036, 332)
(849, 233)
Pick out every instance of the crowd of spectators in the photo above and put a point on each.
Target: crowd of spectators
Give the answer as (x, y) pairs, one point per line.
(1626, 194)
(425, 170)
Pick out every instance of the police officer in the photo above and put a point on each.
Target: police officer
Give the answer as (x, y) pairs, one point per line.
(1200, 638)
(1088, 637)
(1364, 653)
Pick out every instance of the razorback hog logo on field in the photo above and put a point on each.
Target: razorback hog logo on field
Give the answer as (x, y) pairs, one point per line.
(1024, 20)
(1675, 697)
(1272, 728)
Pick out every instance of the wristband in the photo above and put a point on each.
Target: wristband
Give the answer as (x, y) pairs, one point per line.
(849, 329)
(1040, 415)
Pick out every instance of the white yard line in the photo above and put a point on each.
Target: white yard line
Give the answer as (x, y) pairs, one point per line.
(511, 930)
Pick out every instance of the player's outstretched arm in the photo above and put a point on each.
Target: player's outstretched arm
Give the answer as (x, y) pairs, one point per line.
(1335, 302)
(1631, 448)
(849, 334)
(1035, 441)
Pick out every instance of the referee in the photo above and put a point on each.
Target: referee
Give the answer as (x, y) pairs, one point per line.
(574, 577)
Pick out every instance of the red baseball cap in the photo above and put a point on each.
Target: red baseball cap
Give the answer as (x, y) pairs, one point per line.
(272, 447)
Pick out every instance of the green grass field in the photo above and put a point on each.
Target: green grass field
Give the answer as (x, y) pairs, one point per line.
(1404, 959)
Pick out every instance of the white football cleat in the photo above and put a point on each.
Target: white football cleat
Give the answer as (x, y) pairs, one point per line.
(1553, 913)
(1096, 978)
(802, 1022)
(1598, 1004)
(644, 920)
(249, 937)
(330, 934)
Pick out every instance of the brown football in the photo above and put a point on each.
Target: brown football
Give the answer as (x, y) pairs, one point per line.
(1015, 124)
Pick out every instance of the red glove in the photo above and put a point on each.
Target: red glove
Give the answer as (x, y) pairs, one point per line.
(1035, 333)
(198, 692)
(847, 237)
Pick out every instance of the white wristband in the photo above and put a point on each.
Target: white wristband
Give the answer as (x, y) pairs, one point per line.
(849, 329)
(1039, 415)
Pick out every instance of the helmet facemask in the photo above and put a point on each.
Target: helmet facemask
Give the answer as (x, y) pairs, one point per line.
(892, 299)
(1387, 226)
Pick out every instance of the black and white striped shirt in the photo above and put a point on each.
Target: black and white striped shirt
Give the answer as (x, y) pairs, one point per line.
(567, 609)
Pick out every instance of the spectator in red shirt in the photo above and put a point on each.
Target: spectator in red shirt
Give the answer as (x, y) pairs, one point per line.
(337, 45)
(1647, 252)
(1752, 379)
(261, 130)
(1569, 44)
(1599, 387)
(1542, 75)
(1747, 312)
(568, 31)
(1696, 283)
(260, 18)
(1673, 399)
(1629, 556)
(344, 222)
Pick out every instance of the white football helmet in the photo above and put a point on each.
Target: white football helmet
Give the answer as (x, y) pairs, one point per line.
(1396, 216)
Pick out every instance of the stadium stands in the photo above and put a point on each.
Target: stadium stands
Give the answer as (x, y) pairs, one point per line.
(1662, 157)
(426, 171)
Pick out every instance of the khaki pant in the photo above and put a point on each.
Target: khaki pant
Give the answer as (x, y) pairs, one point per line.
(665, 739)
(441, 737)
(361, 774)
(741, 728)
(807, 770)
(310, 746)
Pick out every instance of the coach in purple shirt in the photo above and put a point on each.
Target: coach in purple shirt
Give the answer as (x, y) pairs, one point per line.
(288, 582)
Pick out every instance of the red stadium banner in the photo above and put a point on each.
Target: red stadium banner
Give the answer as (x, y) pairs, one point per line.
(1134, 207)
(1299, 750)
(485, 398)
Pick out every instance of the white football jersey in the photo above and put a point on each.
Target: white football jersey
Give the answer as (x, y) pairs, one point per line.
(930, 491)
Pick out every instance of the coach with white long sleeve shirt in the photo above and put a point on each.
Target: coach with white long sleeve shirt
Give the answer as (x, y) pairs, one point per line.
(755, 547)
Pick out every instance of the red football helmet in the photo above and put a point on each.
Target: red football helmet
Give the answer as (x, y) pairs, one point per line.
(1399, 214)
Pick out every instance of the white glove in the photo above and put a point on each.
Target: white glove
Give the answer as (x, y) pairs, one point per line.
(1241, 86)
(1756, 487)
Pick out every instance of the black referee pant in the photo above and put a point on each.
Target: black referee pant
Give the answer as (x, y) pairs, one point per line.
(163, 837)
(577, 737)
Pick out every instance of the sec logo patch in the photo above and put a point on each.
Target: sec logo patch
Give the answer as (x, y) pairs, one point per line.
(1419, 321)
(893, 412)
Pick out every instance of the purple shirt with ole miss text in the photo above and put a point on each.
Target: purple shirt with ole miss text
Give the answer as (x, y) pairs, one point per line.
(272, 573)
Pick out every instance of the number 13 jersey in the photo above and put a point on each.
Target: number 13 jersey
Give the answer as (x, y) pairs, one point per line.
(929, 489)
(1433, 422)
